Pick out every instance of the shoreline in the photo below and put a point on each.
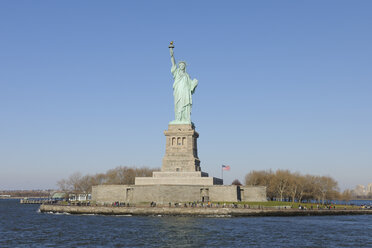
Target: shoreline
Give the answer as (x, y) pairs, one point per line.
(180, 211)
(22, 197)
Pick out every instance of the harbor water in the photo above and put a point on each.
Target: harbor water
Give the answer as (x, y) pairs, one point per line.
(21, 225)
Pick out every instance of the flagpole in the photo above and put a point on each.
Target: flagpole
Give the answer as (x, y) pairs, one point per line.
(222, 173)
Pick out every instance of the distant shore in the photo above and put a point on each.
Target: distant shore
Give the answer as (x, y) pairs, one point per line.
(175, 211)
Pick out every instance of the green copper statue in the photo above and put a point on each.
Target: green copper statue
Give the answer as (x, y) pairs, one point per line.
(183, 88)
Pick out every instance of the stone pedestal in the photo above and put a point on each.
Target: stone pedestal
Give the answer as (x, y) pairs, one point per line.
(181, 165)
(181, 152)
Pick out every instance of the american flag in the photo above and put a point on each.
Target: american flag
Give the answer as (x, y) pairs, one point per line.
(226, 167)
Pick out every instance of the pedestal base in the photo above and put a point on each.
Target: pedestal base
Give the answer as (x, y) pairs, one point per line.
(178, 178)
(181, 165)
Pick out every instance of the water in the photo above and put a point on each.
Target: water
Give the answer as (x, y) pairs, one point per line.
(351, 202)
(23, 226)
(355, 202)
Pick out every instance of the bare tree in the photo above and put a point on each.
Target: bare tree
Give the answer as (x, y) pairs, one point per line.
(74, 182)
(305, 187)
(85, 184)
(262, 178)
(236, 182)
(327, 188)
(77, 183)
(257, 178)
(98, 179)
(281, 183)
(346, 195)
(294, 184)
(63, 185)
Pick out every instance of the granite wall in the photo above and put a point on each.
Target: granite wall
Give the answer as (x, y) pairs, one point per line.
(176, 193)
(253, 193)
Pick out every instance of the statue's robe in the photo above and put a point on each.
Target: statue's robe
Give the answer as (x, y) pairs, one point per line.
(183, 88)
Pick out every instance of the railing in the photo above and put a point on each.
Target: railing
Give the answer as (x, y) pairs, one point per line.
(34, 201)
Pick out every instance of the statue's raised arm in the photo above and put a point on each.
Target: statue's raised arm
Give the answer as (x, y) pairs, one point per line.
(183, 88)
(174, 65)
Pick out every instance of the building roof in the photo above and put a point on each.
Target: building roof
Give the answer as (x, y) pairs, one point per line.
(59, 195)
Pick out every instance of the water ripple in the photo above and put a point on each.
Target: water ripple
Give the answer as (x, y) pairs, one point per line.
(23, 226)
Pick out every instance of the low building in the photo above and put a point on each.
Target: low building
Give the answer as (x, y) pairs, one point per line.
(369, 188)
(59, 196)
(360, 190)
(79, 197)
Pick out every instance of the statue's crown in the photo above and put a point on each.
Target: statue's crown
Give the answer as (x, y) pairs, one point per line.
(183, 62)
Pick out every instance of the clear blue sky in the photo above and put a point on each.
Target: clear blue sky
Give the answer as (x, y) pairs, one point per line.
(86, 86)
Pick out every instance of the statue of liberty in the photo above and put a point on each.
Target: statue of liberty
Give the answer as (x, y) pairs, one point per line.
(183, 88)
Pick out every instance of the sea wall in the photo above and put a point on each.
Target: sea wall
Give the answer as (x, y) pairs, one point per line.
(180, 211)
